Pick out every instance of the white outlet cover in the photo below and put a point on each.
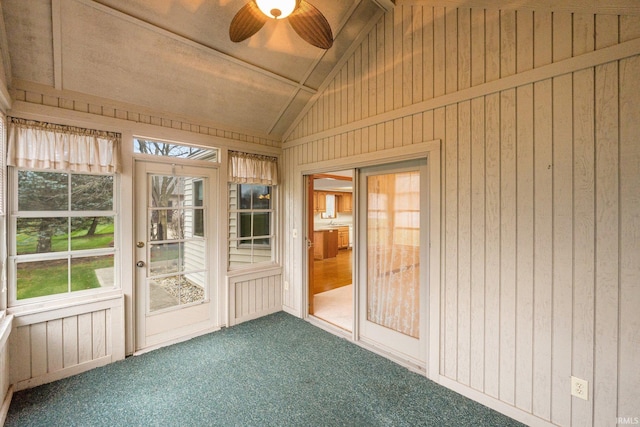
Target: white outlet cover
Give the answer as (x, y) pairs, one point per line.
(580, 388)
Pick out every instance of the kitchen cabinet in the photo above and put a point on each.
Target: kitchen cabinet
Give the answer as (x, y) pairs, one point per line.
(343, 237)
(319, 201)
(325, 243)
(345, 203)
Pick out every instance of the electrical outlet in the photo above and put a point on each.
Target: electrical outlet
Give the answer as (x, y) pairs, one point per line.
(580, 388)
(286, 285)
(294, 233)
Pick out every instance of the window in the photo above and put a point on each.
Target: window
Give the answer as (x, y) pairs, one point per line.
(179, 151)
(250, 224)
(63, 227)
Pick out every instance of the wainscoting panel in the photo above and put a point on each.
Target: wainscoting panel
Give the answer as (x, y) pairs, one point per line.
(57, 343)
(254, 295)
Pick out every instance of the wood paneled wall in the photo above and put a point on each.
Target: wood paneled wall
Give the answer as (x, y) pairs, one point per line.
(254, 295)
(539, 119)
(54, 344)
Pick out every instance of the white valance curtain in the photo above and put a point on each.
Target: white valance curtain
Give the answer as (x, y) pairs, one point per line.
(38, 145)
(245, 168)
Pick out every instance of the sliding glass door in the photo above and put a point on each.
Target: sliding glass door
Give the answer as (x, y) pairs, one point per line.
(393, 291)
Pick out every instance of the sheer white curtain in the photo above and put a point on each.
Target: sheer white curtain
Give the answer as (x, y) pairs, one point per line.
(247, 168)
(393, 250)
(39, 145)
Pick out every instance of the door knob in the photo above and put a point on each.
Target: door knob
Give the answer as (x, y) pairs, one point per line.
(140, 263)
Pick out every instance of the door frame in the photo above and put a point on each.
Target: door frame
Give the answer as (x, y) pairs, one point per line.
(431, 150)
(216, 288)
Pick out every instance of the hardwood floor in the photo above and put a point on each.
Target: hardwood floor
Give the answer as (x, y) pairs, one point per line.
(332, 273)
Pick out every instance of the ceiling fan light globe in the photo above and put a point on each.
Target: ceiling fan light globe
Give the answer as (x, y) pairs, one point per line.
(277, 9)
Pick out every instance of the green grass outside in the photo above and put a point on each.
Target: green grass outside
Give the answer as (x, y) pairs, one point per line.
(79, 241)
(43, 278)
(51, 278)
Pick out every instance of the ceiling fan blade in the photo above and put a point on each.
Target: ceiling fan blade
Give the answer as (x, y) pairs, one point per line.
(311, 25)
(246, 23)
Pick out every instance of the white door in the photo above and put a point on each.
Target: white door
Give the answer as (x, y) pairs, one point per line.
(393, 276)
(176, 294)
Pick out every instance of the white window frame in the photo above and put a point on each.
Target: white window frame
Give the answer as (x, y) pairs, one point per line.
(69, 254)
(246, 242)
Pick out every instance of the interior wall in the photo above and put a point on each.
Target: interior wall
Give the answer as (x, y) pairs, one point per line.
(37, 102)
(538, 114)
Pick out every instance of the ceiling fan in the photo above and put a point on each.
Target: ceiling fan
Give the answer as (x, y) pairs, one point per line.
(306, 20)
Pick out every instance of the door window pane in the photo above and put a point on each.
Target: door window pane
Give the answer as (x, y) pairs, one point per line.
(173, 291)
(166, 258)
(393, 251)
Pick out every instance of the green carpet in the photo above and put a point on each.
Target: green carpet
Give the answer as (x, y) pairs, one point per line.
(274, 371)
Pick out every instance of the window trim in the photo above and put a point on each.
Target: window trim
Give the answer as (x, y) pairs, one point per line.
(245, 242)
(13, 259)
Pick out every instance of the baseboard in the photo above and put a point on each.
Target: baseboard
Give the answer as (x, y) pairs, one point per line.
(493, 403)
(256, 315)
(175, 341)
(4, 411)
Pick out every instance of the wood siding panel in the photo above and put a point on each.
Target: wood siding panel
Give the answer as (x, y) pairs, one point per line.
(584, 250)
(451, 243)
(54, 345)
(464, 242)
(492, 247)
(478, 242)
(524, 254)
(607, 249)
(543, 249)
(508, 231)
(70, 340)
(562, 249)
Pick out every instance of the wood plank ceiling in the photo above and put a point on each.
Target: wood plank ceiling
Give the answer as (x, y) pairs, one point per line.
(175, 56)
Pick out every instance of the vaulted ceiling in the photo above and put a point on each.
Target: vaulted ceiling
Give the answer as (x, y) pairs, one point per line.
(175, 56)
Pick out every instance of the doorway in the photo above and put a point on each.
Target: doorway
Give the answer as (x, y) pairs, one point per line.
(330, 239)
(175, 289)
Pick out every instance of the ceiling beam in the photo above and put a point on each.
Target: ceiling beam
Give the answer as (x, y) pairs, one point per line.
(606, 7)
(305, 78)
(364, 33)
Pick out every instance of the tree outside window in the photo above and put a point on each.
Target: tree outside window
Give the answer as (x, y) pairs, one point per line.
(64, 229)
